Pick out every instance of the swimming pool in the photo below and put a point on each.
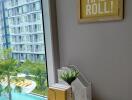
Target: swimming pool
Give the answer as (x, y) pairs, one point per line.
(18, 96)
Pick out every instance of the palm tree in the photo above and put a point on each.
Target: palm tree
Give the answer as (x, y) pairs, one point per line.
(8, 66)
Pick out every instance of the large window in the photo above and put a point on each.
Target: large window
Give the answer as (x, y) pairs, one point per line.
(24, 35)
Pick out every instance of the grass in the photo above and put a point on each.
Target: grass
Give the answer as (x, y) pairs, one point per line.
(40, 92)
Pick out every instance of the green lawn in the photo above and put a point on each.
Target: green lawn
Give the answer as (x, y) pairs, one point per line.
(37, 91)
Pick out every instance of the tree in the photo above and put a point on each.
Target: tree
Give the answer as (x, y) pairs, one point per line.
(8, 66)
(38, 72)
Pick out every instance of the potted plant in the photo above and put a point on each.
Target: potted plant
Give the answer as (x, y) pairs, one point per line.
(69, 75)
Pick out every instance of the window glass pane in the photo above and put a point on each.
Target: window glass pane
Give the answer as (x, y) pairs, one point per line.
(23, 75)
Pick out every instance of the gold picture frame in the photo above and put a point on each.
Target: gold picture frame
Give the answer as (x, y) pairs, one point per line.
(86, 7)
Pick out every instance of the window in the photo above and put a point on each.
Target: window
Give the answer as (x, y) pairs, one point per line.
(34, 16)
(20, 10)
(10, 12)
(25, 8)
(37, 6)
(23, 32)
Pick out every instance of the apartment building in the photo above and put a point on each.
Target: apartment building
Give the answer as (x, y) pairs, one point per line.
(23, 23)
(4, 29)
(1, 26)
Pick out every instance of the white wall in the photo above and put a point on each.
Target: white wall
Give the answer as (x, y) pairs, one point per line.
(103, 51)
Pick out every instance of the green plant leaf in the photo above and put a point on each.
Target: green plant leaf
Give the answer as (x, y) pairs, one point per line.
(69, 76)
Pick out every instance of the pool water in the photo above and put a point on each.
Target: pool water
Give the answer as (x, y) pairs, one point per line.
(18, 96)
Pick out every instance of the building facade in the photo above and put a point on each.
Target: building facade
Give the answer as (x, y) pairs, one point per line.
(24, 29)
(4, 33)
(1, 26)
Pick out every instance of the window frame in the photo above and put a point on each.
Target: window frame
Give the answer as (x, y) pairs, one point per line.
(51, 39)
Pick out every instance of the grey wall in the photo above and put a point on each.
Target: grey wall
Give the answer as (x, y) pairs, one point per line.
(103, 51)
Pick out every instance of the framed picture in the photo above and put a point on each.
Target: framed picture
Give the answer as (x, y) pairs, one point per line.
(100, 10)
